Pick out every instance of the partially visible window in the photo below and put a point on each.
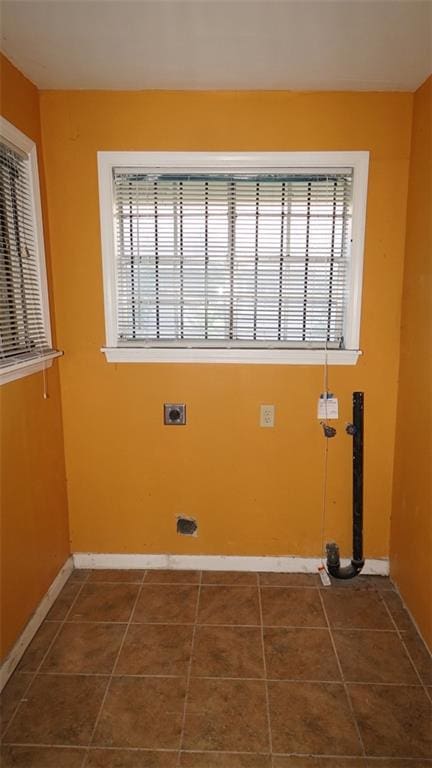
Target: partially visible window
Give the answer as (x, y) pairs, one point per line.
(242, 260)
(25, 337)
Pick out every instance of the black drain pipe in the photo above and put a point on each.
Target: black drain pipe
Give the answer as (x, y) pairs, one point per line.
(333, 559)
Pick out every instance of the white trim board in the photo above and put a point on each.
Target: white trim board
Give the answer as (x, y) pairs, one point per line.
(15, 655)
(27, 368)
(237, 356)
(284, 563)
(18, 368)
(232, 163)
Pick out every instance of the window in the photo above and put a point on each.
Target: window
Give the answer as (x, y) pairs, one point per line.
(25, 339)
(253, 257)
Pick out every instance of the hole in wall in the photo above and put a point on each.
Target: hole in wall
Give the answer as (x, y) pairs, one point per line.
(187, 526)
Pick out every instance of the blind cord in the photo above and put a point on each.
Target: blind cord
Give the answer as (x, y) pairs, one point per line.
(325, 468)
(325, 478)
(45, 382)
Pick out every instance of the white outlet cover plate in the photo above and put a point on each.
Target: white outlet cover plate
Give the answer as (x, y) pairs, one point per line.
(267, 415)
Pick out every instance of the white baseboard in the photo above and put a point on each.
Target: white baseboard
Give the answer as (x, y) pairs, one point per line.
(285, 563)
(15, 655)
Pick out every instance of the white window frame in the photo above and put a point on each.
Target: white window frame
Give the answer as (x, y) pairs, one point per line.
(18, 370)
(232, 162)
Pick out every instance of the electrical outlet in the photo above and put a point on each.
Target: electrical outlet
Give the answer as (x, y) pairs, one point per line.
(267, 415)
(174, 413)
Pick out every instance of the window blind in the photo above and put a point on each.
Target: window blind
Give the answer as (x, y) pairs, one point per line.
(22, 331)
(232, 260)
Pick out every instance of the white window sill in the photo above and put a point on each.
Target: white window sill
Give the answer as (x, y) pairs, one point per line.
(247, 356)
(27, 367)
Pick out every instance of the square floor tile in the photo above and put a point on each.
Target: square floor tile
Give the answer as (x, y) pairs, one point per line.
(214, 760)
(64, 601)
(312, 718)
(38, 646)
(166, 604)
(142, 712)
(398, 611)
(41, 757)
(292, 607)
(226, 715)
(363, 582)
(230, 578)
(373, 657)
(104, 602)
(289, 579)
(85, 648)
(171, 576)
(229, 605)
(155, 649)
(121, 758)
(419, 654)
(393, 720)
(228, 652)
(302, 654)
(11, 696)
(128, 576)
(79, 575)
(58, 709)
(359, 609)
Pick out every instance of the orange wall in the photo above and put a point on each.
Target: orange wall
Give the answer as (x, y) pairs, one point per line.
(34, 526)
(411, 539)
(253, 491)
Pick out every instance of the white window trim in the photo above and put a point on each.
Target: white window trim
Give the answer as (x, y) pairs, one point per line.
(17, 370)
(207, 162)
(28, 367)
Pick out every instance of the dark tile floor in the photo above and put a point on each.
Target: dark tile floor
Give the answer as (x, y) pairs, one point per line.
(172, 669)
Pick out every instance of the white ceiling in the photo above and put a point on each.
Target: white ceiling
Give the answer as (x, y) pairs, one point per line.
(220, 44)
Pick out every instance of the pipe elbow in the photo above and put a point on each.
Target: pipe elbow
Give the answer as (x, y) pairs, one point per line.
(347, 571)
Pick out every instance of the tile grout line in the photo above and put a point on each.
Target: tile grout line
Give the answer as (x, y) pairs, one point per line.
(298, 680)
(405, 647)
(50, 645)
(270, 735)
(246, 626)
(110, 677)
(231, 584)
(350, 704)
(378, 759)
(189, 671)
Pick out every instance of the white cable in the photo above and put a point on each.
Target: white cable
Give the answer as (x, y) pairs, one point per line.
(324, 496)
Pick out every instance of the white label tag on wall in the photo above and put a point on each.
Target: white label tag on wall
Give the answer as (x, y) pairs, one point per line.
(328, 407)
(325, 578)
